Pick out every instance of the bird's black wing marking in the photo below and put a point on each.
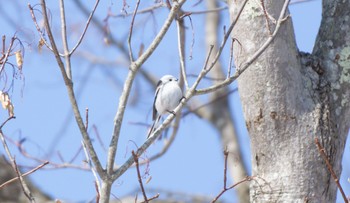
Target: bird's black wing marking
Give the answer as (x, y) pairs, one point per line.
(154, 116)
(159, 83)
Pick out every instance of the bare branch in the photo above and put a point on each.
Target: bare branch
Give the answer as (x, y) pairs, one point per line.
(7, 53)
(88, 160)
(207, 58)
(225, 188)
(248, 178)
(7, 120)
(71, 94)
(225, 168)
(230, 61)
(136, 160)
(266, 16)
(131, 29)
(98, 192)
(86, 118)
(53, 43)
(65, 40)
(181, 46)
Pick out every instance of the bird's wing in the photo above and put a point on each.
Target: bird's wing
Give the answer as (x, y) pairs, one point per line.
(154, 116)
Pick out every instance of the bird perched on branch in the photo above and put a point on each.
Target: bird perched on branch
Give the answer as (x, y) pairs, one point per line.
(167, 97)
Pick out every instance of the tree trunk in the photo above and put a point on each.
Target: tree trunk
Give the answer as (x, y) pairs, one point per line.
(289, 99)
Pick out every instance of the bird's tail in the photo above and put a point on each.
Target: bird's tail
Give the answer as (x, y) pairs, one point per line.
(153, 126)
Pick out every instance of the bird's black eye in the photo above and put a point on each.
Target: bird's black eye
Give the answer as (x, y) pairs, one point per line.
(170, 79)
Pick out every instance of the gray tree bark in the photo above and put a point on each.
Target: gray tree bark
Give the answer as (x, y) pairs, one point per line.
(290, 98)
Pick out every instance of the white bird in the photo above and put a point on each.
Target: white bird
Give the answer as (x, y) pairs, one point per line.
(167, 97)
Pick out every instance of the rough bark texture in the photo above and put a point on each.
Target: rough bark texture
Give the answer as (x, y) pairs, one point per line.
(289, 99)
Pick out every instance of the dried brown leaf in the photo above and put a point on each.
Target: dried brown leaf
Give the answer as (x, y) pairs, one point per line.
(19, 59)
(41, 44)
(6, 103)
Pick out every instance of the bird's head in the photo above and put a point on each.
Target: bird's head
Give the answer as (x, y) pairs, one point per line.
(167, 78)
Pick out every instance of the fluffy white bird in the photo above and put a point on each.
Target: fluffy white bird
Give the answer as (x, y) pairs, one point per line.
(167, 97)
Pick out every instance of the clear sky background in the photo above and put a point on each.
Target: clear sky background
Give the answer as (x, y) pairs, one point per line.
(193, 165)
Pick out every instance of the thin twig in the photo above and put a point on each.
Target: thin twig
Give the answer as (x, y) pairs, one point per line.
(231, 57)
(225, 188)
(208, 57)
(208, 10)
(248, 178)
(193, 38)
(218, 98)
(225, 167)
(266, 16)
(152, 198)
(7, 54)
(151, 9)
(31, 9)
(24, 174)
(3, 45)
(330, 168)
(131, 57)
(65, 40)
(97, 191)
(111, 40)
(88, 160)
(23, 184)
(146, 10)
(86, 118)
(21, 149)
(136, 159)
(85, 29)
(7, 120)
(75, 155)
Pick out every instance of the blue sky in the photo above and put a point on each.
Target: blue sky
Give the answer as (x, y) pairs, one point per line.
(193, 165)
